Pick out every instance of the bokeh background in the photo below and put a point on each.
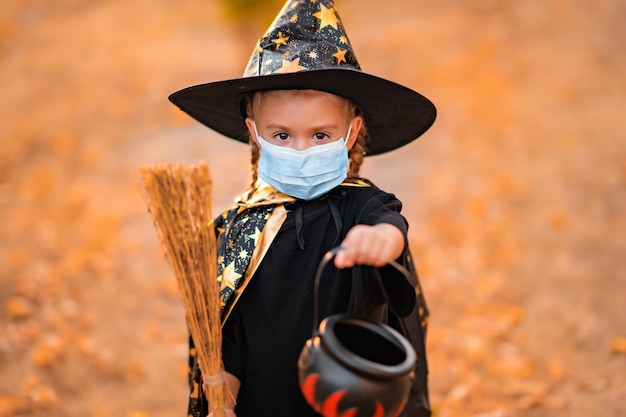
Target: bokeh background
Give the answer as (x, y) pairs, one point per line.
(516, 197)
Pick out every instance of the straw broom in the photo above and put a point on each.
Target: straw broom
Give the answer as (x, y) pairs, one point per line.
(178, 197)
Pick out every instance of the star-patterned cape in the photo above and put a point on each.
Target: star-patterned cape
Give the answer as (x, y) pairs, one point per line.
(239, 232)
(246, 233)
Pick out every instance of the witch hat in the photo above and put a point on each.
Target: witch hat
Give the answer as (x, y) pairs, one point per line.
(306, 47)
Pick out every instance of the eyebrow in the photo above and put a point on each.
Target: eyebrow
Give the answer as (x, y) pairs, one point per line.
(328, 126)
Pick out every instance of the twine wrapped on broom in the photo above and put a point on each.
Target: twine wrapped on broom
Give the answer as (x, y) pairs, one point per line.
(178, 197)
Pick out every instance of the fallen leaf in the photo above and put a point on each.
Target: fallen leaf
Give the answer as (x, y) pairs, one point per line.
(47, 354)
(10, 405)
(618, 345)
(44, 395)
(18, 308)
(557, 371)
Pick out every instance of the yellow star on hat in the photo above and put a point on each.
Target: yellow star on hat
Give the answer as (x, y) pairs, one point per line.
(290, 66)
(327, 17)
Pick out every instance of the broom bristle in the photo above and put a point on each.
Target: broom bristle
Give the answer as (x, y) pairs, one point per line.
(178, 197)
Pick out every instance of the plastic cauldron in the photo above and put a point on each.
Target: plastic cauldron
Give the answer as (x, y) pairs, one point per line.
(354, 367)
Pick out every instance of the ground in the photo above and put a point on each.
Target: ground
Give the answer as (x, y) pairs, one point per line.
(516, 196)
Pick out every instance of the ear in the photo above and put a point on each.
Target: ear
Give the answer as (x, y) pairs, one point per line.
(250, 126)
(357, 123)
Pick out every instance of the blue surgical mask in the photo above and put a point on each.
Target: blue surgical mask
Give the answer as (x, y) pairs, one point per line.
(305, 174)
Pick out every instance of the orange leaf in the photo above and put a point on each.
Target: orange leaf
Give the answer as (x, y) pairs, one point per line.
(618, 345)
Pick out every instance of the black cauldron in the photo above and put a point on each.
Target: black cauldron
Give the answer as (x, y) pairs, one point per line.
(354, 367)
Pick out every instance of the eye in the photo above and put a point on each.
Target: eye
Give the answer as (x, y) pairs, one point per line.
(281, 136)
(321, 136)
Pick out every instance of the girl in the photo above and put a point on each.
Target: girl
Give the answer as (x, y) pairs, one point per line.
(303, 105)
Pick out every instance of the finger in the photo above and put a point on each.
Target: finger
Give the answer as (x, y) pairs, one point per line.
(342, 259)
(347, 256)
(355, 246)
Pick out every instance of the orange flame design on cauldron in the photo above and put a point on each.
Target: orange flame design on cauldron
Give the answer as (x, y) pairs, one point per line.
(329, 408)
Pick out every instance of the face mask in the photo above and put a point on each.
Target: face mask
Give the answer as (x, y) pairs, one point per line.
(305, 174)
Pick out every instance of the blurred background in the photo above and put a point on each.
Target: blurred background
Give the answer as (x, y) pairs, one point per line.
(516, 197)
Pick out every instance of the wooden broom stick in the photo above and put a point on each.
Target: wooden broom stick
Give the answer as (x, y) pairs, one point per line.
(178, 197)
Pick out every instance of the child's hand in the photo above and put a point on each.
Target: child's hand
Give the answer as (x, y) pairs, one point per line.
(370, 245)
(233, 385)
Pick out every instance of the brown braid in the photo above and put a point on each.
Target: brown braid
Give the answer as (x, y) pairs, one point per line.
(250, 101)
(356, 153)
(254, 161)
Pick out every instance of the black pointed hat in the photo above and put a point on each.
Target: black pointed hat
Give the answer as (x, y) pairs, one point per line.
(306, 47)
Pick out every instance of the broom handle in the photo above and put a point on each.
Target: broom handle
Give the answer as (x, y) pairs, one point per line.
(328, 256)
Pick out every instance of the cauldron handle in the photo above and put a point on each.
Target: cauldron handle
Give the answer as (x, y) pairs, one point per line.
(328, 256)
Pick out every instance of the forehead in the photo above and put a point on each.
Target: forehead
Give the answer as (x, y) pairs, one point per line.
(301, 94)
(271, 101)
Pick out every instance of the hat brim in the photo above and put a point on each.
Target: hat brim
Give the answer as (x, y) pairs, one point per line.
(395, 115)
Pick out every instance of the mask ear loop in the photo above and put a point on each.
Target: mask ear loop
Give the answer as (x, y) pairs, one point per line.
(345, 142)
(259, 139)
(256, 133)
